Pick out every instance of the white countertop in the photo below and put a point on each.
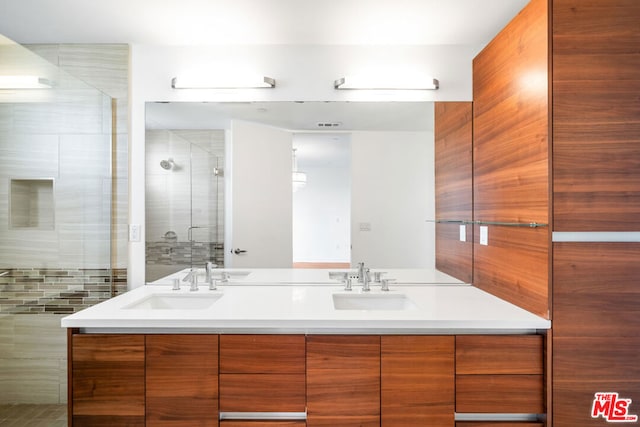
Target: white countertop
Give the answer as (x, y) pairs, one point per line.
(444, 308)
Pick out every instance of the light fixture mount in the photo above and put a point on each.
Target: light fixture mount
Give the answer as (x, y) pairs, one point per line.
(262, 82)
(354, 83)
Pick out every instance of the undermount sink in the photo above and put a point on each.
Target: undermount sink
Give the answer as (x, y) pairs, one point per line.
(390, 301)
(194, 301)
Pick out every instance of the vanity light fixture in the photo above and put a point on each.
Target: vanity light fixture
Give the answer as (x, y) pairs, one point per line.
(299, 179)
(24, 82)
(229, 83)
(396, 83)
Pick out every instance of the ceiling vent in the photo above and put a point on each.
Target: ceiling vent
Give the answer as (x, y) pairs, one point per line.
(328, 125)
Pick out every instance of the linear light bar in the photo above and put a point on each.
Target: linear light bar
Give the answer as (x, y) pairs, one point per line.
(24, 82)
(231, 83)
(363, 83)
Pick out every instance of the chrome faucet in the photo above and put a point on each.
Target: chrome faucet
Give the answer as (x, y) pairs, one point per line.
(209, 269)
(192, 278)
(360, 272)
(366, 280)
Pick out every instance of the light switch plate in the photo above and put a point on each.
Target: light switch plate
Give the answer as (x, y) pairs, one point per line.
(484, 235)
(463, 233)
(134, 232)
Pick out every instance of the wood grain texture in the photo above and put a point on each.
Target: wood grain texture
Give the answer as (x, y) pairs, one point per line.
(515, 266)
(343, 380)
(596, 289)
(262, 392)
(454, 257)
(511, 121)
(182, 380)
(417, 380)
(596, 124)
(508, 354)
(522, 394)
(454, 186)
(108, 379)
(511, 158)
(262, 354)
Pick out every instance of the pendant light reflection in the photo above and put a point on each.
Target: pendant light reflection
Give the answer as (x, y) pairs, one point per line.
(299, 179)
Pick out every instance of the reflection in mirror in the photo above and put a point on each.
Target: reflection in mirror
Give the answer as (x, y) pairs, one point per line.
(184, 195)
(381, 177)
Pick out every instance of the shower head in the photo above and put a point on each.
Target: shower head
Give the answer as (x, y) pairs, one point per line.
(167, 164)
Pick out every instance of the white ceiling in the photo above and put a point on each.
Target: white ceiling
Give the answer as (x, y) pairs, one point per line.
(215, 22)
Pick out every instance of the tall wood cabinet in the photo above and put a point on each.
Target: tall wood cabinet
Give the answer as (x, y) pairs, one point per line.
(556, 137)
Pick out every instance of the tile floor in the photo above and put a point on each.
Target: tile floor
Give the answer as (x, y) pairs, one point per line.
(22, 415)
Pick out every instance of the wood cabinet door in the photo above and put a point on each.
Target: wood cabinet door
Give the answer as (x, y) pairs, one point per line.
(107, 380)
(182, 380)
(418, 381)
(343, 380)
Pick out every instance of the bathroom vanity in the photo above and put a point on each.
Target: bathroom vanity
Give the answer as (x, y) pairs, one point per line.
(297, 354)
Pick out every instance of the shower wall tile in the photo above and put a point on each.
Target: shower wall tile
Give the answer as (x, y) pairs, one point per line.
(28, 156)
(29, 380)
(85, 156)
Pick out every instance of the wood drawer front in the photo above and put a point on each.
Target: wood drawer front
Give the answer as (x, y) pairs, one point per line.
(182, 380)
(264, 354)
(343, 380)
(235, 423)
(500, 394)
(262, 393)
(107, 379)
(509, 354)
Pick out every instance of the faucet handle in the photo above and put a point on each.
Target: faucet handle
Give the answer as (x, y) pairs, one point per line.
(377, 276)
(194, 282)
(347, 282)
(385, 284)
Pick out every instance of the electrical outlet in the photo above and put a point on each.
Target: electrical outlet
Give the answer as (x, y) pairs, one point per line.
(484, 235)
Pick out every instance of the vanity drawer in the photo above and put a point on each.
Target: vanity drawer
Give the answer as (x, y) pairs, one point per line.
(264, 354)
(499, 394)
(508, 354)
(262, 393)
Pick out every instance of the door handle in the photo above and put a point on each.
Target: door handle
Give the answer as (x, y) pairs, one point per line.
(238, 251)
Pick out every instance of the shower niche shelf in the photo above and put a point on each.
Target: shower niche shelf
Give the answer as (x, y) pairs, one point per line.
(32, 204)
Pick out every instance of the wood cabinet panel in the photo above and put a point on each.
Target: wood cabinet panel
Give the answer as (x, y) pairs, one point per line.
(182, 380)
(500, 394)
(262, 354)
(107, 385)
(343, 380)
(262, 392)
(417, 380)
(511, 159)
(454, 187)
(515, 266)
(509, 354)
(596, 124)
(596, 290)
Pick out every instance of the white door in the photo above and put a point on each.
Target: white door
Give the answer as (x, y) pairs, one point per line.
(260, 233)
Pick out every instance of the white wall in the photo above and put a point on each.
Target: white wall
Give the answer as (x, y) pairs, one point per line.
(302, 73)
(322, 211)
(390, 171)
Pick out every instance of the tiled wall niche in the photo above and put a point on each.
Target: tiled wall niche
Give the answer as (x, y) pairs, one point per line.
(31, 204)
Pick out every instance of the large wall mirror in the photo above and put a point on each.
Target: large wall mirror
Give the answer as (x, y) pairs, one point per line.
(220, 185)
